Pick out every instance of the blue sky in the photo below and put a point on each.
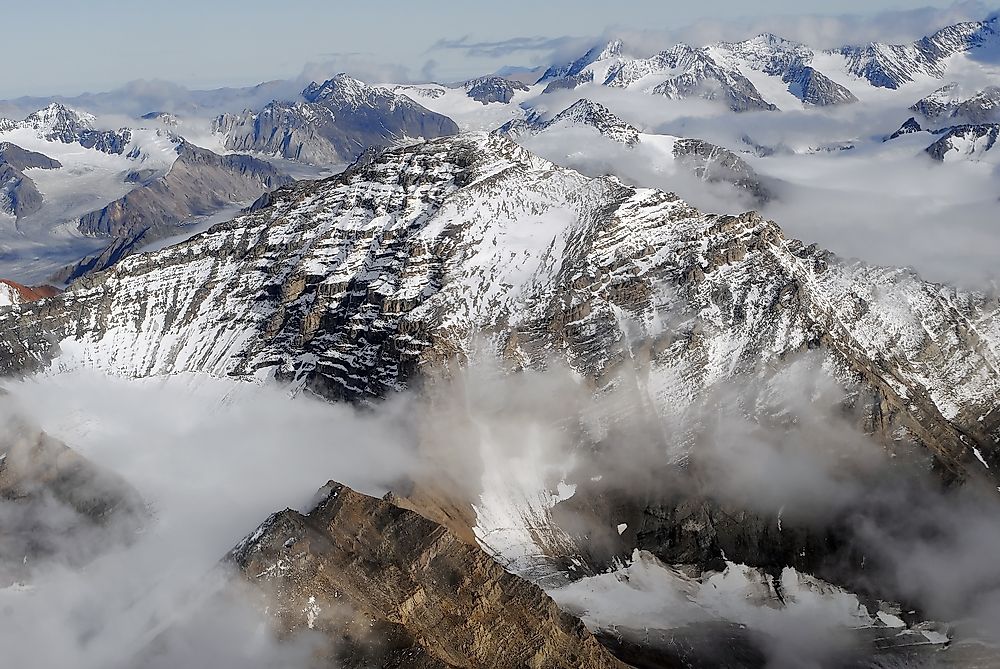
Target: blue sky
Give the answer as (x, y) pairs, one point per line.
(69, 46)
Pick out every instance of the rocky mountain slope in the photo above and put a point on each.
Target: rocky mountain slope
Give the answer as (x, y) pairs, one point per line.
(390, 588)
(948, 105)
(199, 183)
(57, 504)
(334, 123)
(768, 72)
(12, 292)
(492, 88)
(582, 113)
(704, 160)
(965, 142)
(59, 123)
(352, 285)
(18, 193)
(894, 65)
(419, 257)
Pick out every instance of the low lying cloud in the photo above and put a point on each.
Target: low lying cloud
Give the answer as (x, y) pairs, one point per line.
(212, 459)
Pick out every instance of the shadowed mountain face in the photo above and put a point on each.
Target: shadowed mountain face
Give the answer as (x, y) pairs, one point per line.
(56, 505)
(390, 588)
(338, 120)
(18, 194)
(381, 278)
(199, 183)
(360, 281)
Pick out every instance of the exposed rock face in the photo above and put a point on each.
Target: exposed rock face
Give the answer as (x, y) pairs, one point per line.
(699, 76)
(18, 194)
(965, 142)
(22, 159)
(815, 88)
(493, 89)
(892, 65)
(57, 505)
(354, 285)
(391, 588)
(339, 119)
(199, 182)
(910, 126)
(716, 164)
(948, 105)
(580, 113)
(611, 50)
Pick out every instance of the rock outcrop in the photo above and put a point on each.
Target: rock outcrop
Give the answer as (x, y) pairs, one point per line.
(391, 588)
(715, 164)
(337, 121)
(58, 505)
(18, 194)
(493, 89)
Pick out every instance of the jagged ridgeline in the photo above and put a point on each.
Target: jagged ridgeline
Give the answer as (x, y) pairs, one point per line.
(413, 260)
(355, 285)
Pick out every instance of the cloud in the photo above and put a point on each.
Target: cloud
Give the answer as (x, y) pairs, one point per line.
(212, 458)
(507, 47)
(817, 31)
(364, 66)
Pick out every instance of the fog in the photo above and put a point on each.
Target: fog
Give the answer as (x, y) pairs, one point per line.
(835, 181)
(212, 459)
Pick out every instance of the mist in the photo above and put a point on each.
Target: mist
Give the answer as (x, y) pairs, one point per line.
(212, 459)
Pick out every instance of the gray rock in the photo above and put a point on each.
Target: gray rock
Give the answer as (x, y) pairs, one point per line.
(960, 138)
(581, 113)
(946, 105)
(716, 164)
(18, 194)
(199, 183)
(892, 65)
(910, 126)
(815, 88)
(493, 89)
(339, 119)
(22, 159)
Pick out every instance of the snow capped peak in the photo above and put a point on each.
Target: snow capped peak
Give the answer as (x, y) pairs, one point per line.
(612, 49)
(58, 117)
(340, 88)
(582, 113)
(596, 115)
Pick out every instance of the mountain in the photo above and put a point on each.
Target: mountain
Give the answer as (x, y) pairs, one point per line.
(768, 72)
(351, 285)
(894, 65)
(582, 113)
(12, 292)
(18, 193)
(59, 123)
(965, 142)
(199, 183)
(426, 598)
(493, 89)
(706, 161)
(948, 105)
(716, 164)
(52, 498)
(697, 75)
(20, 159)
(381, 278)
(335, 123)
